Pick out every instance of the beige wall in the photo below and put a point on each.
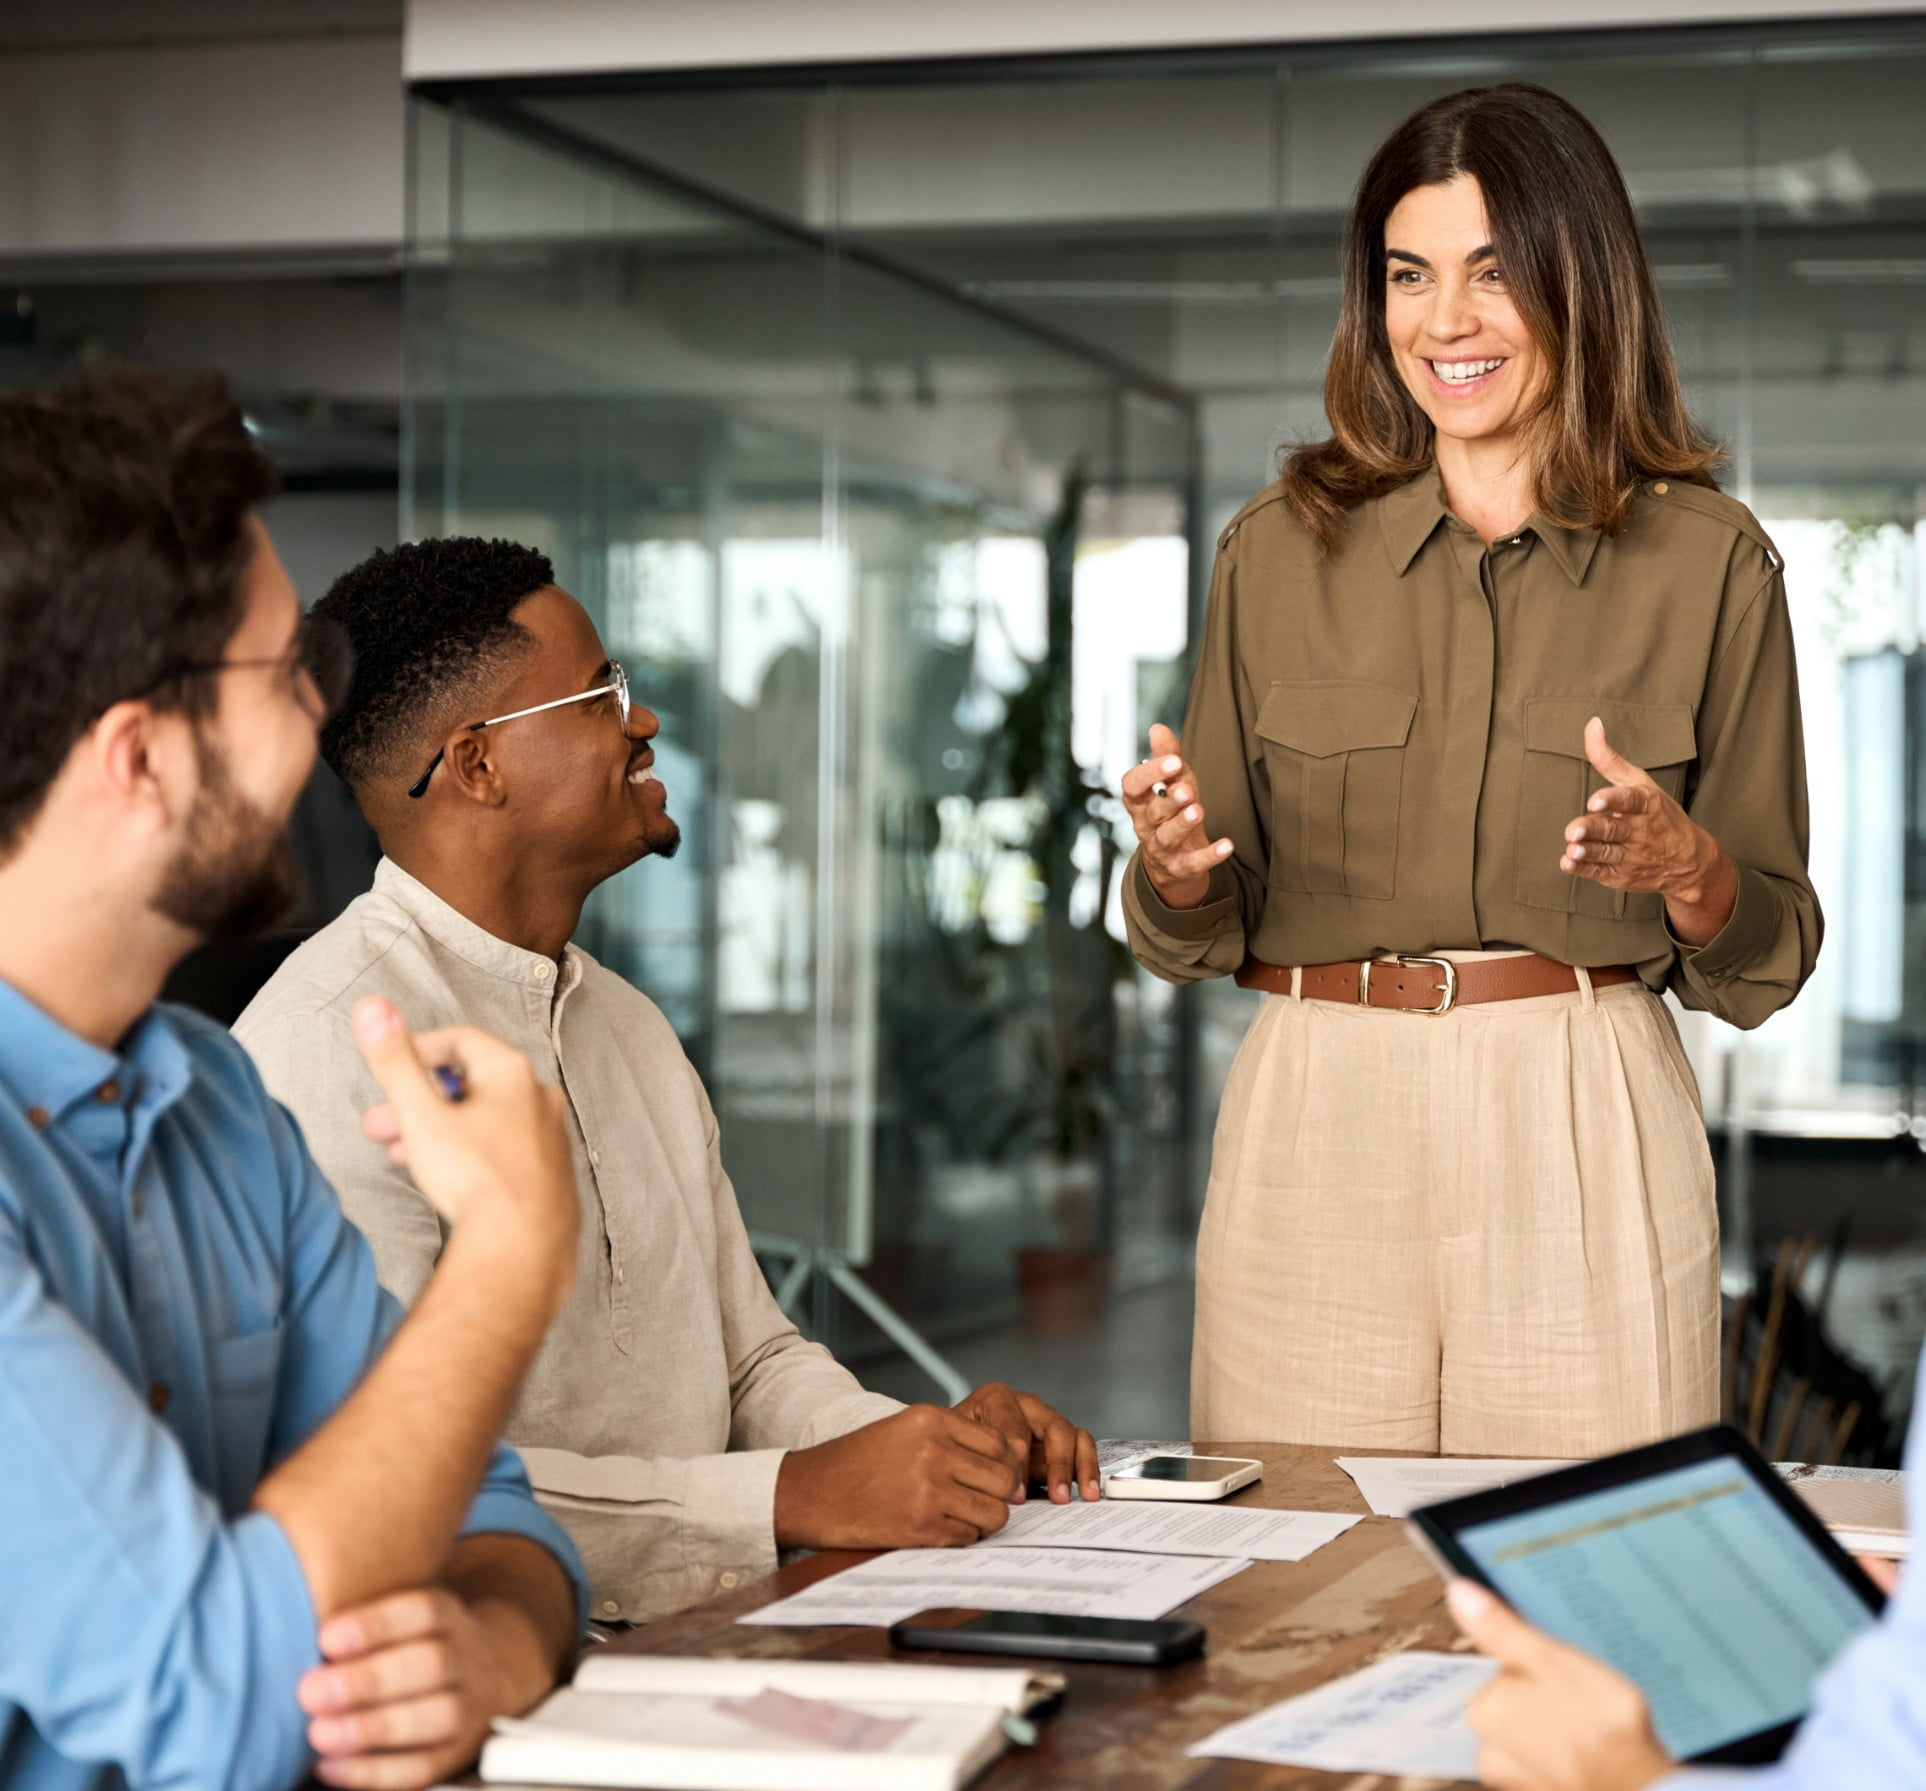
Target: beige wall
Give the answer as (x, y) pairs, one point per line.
(195, 148)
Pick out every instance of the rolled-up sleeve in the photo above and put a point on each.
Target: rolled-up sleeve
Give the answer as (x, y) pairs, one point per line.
(102, 1523)
(1751, 797)
(1187, 945)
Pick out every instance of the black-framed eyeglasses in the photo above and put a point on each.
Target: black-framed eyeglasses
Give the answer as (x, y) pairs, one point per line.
(322, 655)
(616, 684)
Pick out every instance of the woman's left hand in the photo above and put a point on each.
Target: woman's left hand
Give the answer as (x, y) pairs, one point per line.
(1633, 836)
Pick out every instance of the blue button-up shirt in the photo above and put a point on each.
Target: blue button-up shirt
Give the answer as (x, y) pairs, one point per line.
(182, 1305)
(1867, 1727)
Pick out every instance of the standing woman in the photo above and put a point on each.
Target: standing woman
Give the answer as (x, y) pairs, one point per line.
(1494, 736)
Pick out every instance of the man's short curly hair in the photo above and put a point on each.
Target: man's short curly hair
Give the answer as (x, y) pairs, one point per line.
(431, 623)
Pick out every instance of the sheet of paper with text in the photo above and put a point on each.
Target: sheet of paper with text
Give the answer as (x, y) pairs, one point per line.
(1062, 1582)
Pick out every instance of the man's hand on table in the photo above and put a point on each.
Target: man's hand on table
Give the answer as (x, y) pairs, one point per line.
(926, 1477)
(1049, 1447)
(411, 1684)
(929, 1477)
(1555, 1719)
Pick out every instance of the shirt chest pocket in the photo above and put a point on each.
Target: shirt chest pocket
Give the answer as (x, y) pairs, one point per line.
(1558, 780)
(1334, 753)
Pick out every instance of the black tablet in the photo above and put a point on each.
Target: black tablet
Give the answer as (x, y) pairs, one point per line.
(1688, 1565)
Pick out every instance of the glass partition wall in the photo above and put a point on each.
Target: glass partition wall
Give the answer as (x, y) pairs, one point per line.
(886, 418)
(892, 566)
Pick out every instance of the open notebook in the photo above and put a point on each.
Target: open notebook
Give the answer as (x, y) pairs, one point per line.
(765, 1725)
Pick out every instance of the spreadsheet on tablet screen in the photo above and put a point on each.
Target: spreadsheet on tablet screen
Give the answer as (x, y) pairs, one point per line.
(1694, 1584)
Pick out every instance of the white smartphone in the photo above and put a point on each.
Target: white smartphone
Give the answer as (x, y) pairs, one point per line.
(1182, 1477)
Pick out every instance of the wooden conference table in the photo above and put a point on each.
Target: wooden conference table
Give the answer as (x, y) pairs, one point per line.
(1276, 1629)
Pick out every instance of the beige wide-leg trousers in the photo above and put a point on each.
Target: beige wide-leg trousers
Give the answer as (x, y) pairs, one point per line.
(1489, 1233)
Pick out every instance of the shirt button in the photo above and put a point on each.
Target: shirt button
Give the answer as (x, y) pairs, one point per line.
(1660, 489)
(595, 1157)
(39, 1118)
(157, 1397)
(729, 1581)
(543, 972)
(620, 1277)
(610, 1608)
(108, 1092)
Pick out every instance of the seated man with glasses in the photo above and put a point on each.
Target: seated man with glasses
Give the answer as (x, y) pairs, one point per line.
(674, 1420)
(249, 1513)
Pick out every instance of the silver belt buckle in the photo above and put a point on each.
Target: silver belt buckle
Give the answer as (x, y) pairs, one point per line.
(1444, 965)
(1449, 971)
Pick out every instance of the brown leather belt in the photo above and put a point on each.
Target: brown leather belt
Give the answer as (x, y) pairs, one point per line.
(1420, 985)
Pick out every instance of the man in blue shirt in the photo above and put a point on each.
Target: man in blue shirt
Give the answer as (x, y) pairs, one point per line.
(253, 1523)
(1557, 1720)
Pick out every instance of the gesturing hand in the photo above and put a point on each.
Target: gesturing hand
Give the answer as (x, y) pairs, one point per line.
(927, 1477)
(1633, 836)
(1178, 853)
(1051, 1448)
(1555, 1719)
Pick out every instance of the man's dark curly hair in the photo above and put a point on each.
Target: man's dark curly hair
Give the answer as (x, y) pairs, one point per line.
(124, 550)
(431, 624)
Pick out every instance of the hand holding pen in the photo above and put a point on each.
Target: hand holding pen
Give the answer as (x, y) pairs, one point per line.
(484, 1140)
(1161, 798)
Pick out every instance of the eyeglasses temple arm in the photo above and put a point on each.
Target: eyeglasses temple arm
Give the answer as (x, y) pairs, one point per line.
(420, 786)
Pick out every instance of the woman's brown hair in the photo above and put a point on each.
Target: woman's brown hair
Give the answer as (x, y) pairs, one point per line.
(1574, 262)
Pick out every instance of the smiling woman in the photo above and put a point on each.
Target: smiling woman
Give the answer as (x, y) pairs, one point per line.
(1495, 724)
(1585, 401)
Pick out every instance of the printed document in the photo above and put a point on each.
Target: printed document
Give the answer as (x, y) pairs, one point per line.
(1151, 1528)
(1063, 1582)
(1395, 1486)
(1403, 1715)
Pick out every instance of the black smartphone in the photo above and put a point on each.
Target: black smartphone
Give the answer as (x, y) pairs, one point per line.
(1123, 1641)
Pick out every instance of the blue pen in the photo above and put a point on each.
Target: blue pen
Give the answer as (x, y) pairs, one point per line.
(452, 1083)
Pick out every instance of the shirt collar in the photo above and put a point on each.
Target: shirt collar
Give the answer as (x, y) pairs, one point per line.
(475, 945)
(52, 1070)
(1411, 515)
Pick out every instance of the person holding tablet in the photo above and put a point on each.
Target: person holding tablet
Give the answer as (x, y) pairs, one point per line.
(1494, 737)
(1556, 1719)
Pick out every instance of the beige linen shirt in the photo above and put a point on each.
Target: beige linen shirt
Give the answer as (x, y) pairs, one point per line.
(657, 1411)
(1393, 737)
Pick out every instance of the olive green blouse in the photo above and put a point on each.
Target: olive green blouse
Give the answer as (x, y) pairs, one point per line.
(1393, 737)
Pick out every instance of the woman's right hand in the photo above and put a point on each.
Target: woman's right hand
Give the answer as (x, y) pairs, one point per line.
(1177, 852)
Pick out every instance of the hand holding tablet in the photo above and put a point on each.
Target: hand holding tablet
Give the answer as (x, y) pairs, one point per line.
(1687, 1566)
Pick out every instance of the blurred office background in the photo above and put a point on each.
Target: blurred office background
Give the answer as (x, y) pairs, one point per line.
(881, 383)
